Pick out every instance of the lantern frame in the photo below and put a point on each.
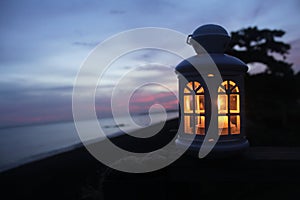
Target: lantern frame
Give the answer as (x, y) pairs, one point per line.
(195, 117)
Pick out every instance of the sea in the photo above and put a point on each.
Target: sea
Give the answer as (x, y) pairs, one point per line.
(24, 144)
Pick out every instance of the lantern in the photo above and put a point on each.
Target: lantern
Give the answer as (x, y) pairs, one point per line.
(195, 102)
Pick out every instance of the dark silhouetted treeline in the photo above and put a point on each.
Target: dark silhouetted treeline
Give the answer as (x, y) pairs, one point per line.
(273, 96)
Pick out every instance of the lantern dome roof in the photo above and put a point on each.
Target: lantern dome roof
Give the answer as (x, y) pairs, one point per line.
(213, 38)
(209, 29)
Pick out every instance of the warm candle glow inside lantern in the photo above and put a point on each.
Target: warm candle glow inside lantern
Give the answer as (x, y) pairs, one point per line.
(228, 108)
(194, 108)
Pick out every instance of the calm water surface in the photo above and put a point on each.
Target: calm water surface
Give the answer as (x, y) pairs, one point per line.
(21, 145)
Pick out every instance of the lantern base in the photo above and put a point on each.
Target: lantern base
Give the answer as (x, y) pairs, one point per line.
(223, 148)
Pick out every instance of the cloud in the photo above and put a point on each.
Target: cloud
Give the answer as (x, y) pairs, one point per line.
(23, 105)
(24, 109)
(86, 44)
(117, 12)
(40, 52)
(142, 103)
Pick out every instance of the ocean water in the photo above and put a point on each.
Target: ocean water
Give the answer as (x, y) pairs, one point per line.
(20, 145)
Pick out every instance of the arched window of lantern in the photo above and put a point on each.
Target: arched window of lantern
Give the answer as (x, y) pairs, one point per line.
(229, 108)
(194, 108)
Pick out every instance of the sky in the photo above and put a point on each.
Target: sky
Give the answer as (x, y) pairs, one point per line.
(44, 43)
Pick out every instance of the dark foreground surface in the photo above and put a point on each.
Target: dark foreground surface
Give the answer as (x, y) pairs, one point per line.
(260, 173)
